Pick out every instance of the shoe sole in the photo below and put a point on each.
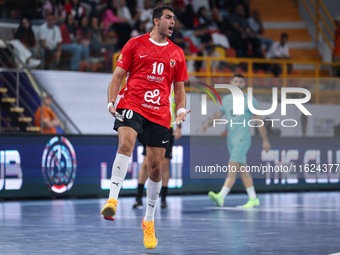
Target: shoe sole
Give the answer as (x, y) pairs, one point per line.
(108, 213)
(252, 206)
(150, 247)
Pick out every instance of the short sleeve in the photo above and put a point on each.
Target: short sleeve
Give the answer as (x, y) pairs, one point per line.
(125, 56)
(58, 34)
(182, 72)
(42, 34)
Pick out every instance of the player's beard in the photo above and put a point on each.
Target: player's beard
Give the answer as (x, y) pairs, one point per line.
(164, 30)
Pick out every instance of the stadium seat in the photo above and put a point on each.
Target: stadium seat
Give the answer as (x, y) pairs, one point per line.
(231, 53)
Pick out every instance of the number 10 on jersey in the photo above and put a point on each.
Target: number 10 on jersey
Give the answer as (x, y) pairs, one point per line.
(159, 67)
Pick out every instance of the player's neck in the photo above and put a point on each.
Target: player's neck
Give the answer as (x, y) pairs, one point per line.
(154, 35)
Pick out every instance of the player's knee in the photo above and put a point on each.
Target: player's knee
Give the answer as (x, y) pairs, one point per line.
(125, 149)
(155, 171)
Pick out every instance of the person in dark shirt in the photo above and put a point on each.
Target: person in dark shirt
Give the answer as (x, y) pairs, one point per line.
(26, 36)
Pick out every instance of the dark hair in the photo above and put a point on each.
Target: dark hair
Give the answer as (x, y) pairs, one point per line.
(284, 35)
(158, 11)
(206, 38)
(238, 75)
(24, 34)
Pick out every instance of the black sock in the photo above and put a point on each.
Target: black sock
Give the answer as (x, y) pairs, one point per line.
(140, 190)
(164, 192)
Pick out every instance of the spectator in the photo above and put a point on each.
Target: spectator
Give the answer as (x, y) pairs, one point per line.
(53, 7)
(69, 43)
(75, 8)
(139, 29)
(116, 24)
(188, 16)
(23, 55)
(241, 37)
(193, 37)
(177, 36)
(256, 26)
(111, 16)
(336, 50)
(221, 22)
(97, 46)
(125, 14)
(222, 6)
(245, 4)
(279, 50)
(146, 15)
(203, 18)
(49, 118)
(26, 36)
(50, 40)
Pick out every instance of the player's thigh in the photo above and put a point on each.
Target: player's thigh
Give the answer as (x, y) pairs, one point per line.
(154, 135)
(131, 119)
(168, 152)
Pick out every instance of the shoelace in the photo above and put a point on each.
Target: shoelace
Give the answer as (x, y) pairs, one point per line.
(149, 232)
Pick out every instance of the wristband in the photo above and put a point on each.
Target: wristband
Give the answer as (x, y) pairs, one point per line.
(110, 105)
(180, 110)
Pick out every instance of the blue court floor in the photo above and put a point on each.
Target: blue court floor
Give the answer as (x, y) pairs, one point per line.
(285, 223)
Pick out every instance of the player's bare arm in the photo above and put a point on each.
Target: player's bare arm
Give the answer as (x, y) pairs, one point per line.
(263, 133)
(180, 100)
(217, 115)
(113, 88)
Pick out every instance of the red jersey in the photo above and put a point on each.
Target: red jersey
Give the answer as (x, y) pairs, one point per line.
(151, 69)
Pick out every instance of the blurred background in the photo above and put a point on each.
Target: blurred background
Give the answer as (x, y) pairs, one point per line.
(57, 58)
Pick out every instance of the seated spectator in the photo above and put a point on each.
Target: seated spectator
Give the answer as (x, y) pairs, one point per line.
(336, 50)
(53, 7)
(75, 8)
(110, 15)
(26, 36)
(193, 37)
(146, 15)
(203, 18)
(139, 29)
(114, 23)
(279, 50)
(69, 43)
(97, 41)
(177, 35)
(221, 22)
(256, 26)
(23, 55)
(50, 120)
(222, 6)
(207, 50)
(188, 15)
(246, 7)
(125, 14)
(50, 40)
(242, 38)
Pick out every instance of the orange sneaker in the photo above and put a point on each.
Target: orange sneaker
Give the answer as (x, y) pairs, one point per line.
(109, 209)
(150, 240)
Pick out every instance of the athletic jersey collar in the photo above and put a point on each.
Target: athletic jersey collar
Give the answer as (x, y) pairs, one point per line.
(158, 44)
